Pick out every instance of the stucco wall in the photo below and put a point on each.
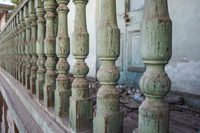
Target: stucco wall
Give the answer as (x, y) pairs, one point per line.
(184, 66)
(91, 26)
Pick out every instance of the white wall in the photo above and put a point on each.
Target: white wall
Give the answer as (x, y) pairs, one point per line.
(184, 66)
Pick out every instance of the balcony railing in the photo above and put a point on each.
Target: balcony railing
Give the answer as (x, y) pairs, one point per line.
(28, 49)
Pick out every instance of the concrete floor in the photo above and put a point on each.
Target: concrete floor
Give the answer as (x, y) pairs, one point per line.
(183, 119)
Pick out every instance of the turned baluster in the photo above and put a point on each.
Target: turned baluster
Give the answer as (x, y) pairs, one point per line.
(49, 49)
(27, 47)
(156, 50)
(62, 92)
(80, 104)
(40, 49)
(34, 67)
(23, 46)
(108, 118)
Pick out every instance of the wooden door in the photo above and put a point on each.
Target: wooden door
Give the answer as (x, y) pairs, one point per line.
(129, 16)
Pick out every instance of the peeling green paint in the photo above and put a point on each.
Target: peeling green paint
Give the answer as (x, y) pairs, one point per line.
(107, 116)
(27, 46)
(34, 67)
(62, 92)
(80, 111)
(156, 50)
(49, 49)
(40, 49)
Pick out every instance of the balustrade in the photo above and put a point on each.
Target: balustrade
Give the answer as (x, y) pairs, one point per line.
(29, 48)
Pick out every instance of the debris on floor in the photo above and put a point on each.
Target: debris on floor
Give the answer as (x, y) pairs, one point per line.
(174, 100)
(183, 118)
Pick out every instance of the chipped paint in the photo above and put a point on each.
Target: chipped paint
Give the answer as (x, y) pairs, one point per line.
(155, 53)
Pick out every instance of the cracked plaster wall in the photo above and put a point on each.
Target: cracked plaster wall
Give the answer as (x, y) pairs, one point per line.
(184, 66)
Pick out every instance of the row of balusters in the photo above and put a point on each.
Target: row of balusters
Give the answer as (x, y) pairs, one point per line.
(28, 49)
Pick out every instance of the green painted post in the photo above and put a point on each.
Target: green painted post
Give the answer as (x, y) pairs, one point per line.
(108, 118)
(40, 49)
(20, 45)
(23, 47)
(62, 92)
(16, 49)
(12, 41)
(156, 50)
(49, 49)
(80, 115)
(16, 43)
(34, 67)
(27, 47)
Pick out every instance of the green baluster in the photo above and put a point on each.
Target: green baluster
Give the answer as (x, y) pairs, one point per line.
(34, 68)
(62, 92)
(80, 104)
(19, 47)
(16, 43)
(40, 49)
(108, 118)
(49, 49)
(156, 50)
(23, 46)
(27, 47)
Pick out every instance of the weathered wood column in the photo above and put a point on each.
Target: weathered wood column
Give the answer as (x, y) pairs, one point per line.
(27, 47)
(80, 103)
(156, 50)
(107, 117)
(23, 47)
(40, 49)
(12, 43)
(62, 92)
(16, 43)
(20, 45)
(49, 43)
(17, 46)
(34, 67)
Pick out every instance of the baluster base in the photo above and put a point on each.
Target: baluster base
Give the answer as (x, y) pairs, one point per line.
(80, 114)
(108, 123)
(33, 80)
(28, 81)
(62, 102)
(49, 95)
(24, 78)
(154, 118)
(39, 89)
